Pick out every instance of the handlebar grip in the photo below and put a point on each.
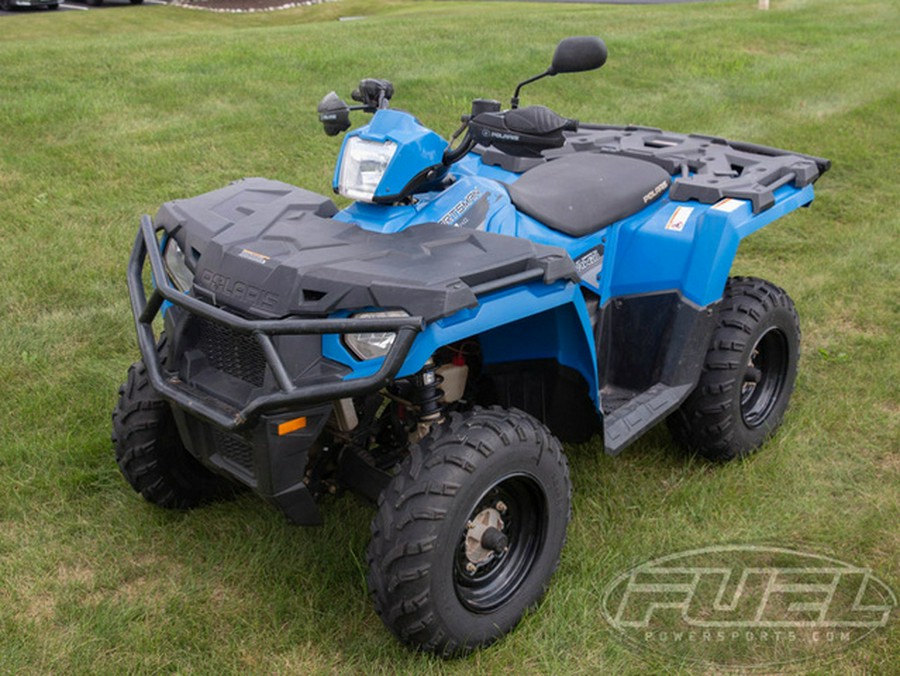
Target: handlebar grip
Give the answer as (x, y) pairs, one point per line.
(571, 125)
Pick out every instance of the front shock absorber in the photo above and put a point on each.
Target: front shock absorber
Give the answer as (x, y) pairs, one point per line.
(429, 395)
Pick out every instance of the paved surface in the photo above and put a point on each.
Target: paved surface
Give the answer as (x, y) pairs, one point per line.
(69, 6)
(615, 2)
(72, 5)
(109, 4)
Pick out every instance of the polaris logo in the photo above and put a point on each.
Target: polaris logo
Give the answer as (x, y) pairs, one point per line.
(237, 290)
(656, 192)
(502, 136)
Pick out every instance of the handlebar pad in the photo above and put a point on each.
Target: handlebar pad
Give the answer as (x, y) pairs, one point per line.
(538, 120)
(524, 132)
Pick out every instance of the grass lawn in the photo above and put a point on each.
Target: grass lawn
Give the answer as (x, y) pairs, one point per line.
(105, 115)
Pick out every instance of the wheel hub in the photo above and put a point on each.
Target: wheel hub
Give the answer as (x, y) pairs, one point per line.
(485, 536)
(764, 378)
(499, 543)
(752, 377)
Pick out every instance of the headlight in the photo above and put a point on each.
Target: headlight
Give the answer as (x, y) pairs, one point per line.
(173, 257)
(372, 345)
(362, 166)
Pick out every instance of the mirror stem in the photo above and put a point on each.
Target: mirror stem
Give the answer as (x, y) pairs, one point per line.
(514, 101)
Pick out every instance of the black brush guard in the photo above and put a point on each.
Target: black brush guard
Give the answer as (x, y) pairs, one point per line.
(290, 396)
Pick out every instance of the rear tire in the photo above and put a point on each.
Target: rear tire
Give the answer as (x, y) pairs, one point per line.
(748, 375)
(150, 453)
(469, 532)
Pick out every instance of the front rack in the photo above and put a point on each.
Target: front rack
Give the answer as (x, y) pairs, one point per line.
(213, 410)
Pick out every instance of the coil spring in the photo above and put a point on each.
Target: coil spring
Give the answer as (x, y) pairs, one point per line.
(429, 394)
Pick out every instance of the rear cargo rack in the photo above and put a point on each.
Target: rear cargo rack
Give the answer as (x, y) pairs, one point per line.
(711, 168)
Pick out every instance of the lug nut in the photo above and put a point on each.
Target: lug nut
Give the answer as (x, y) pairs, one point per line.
(500, 507)
(471, 567)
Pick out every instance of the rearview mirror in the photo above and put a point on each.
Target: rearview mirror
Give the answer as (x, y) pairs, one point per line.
(334, 114)
(578, 54)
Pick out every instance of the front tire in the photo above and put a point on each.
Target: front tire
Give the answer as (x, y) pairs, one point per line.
(469, 532)
(748, 375)
(150, 452)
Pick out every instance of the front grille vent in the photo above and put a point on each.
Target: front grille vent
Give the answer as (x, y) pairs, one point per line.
(234, 449)
(237, 354)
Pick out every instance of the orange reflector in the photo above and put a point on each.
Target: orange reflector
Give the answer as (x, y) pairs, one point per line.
(291, 426)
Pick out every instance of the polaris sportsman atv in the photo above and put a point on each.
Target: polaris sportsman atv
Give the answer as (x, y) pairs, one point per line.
(429, 346)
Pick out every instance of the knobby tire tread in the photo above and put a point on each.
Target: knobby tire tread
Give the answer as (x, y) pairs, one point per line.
(403, 532)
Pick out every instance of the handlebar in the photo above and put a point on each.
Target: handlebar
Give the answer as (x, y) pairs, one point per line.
(452, 155)
(520, 131)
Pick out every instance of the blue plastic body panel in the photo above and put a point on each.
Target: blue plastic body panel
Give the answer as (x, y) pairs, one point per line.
(655, 251)
(554, 317)
(418, 148)
(688, 247)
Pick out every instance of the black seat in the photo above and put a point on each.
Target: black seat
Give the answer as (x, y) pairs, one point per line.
(580, 193)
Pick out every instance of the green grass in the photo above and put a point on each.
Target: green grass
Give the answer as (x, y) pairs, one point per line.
(105, 115)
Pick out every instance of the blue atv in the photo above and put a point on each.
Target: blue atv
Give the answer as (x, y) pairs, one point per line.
(532, 281)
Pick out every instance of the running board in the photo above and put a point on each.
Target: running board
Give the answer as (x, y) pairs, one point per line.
(626, 423)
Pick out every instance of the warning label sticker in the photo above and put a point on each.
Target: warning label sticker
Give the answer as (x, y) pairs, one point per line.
(679, 219)
(254, 256)
(728, 204)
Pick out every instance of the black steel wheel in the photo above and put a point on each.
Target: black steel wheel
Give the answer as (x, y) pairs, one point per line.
(765, 377)
(502, 540)
(150, 453)
(748, 375)
(470, 531)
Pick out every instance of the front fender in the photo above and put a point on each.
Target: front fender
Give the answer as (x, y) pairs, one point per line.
(531, 321)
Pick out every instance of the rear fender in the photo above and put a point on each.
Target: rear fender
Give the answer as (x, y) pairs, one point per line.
(687, 246)
(528, 322)
(659, 288)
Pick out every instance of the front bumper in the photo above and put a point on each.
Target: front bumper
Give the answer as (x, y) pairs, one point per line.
(289, 395)
(245, 440)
